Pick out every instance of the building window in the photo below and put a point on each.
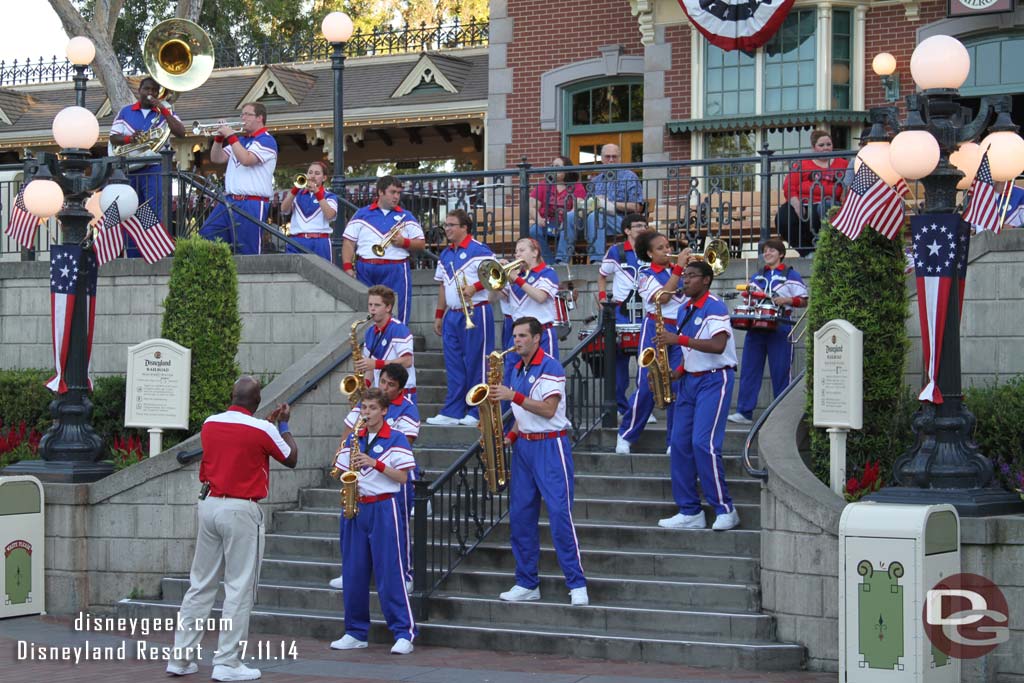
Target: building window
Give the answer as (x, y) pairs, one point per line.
(842, 49)
(616, 103)
(730, 82)
(608, 111)
(995, 66)
(789, 64)
(725, 176)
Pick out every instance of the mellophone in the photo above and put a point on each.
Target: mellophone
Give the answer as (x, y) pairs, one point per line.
(763, 315)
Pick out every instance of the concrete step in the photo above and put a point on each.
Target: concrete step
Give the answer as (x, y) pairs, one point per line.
(640, 511)
(652, 646)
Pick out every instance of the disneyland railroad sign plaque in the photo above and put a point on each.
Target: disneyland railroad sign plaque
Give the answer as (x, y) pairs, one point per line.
(838, 376)
(157, 391)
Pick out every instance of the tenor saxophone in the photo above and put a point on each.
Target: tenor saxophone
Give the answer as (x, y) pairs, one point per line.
(350, 479)
(492, 431)
(655, 359)
(354, 385)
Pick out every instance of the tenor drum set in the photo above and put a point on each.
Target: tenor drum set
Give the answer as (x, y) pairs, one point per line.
(763, 316)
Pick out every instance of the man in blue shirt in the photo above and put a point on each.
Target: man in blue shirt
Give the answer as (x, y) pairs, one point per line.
(615, 193)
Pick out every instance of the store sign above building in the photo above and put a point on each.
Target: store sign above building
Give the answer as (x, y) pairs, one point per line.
(966, 8)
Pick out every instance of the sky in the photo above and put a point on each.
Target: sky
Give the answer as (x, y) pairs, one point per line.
(33, 31)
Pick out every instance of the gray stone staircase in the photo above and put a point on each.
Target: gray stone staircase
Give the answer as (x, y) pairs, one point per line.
(688, 597)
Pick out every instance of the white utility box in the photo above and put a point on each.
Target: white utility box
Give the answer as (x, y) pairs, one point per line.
(22, 538)
(890, 556)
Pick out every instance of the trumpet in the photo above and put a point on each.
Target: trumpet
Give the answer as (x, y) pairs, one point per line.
(496, 276)
(379, 249)
(208, 129)
(301, 181)
(467, 310)
(716, 255)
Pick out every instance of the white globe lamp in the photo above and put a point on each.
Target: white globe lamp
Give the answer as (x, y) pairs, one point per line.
(884, 64)
(914, 154)
(43, 198)
(337, 27)
(967, 157)
(940, 62)
(75, 128)
(81, 51)
(1005, 154)
(127, 199)
(876, 156)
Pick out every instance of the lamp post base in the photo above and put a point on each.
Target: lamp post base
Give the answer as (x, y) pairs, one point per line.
(61, 471)
(987, 502)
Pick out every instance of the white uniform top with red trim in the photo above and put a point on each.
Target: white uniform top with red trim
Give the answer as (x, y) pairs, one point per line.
(402, 415)
(544, 278)
(132, 119)
(308, 215)
(710, 317)
(542, 377)
(371, 224)
(390, 447)
(236, 452)
(652, 281)
(460, 261)
(623, 267)
(388, 344)
(252, 181)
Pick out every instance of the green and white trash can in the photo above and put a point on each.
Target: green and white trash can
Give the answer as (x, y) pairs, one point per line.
(22, 538)
(890, 556)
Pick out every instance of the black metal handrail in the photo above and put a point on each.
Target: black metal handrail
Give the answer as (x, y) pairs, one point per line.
(454, 513)
(761, 473)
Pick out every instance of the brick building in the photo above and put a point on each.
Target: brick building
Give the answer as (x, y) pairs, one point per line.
(566, 77)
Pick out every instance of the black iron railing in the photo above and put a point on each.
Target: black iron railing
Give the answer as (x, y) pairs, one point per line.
(385, 40)
(455, 512)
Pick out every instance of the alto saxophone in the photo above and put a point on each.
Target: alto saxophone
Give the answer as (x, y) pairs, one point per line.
(350, 479)
(354, 385)
(659, 374)
(492, 431)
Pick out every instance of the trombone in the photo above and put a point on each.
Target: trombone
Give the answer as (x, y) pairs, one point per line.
(495, 276)
(208, 129)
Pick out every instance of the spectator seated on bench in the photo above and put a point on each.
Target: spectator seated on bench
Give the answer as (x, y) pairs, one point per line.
(551, 204)
(811, 189)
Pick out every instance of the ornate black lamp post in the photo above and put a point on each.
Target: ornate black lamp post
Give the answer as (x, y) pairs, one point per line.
(59, 185)
(337, 29)
(945, 464)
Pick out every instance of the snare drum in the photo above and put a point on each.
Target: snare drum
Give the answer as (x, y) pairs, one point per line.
(593, 352)
(766, 317)
(562, 323)
(627, 338)
(742, 317)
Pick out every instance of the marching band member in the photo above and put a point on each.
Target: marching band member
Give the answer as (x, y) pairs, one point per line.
(787, 290)
(660, 276)
(705, 390)
(623, 266)
(532, 294)
(248, 181)
(387, 339)
(542, 465)
(312, 209)
(370, 226)
(465, 347)
(402, 415)
(372, 540)
(133, 120)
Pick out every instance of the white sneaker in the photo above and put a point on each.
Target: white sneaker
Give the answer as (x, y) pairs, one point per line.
(578, 597)
(621, 445)
(681, 521)
(651, 420)
(347, 642)
(182, 670)
(469, 421)
(442, 420)
(408, 586)
(740, 418)
(402, 646)
(337, 583)
(727, 521)
(235, 673)
(520, 594)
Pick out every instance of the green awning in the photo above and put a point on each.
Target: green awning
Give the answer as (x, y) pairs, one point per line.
(794, 119)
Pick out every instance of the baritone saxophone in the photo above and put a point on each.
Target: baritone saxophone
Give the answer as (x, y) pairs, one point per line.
(492, 431)
(655, 359)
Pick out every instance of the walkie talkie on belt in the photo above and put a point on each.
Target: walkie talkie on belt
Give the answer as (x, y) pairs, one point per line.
(205, 491)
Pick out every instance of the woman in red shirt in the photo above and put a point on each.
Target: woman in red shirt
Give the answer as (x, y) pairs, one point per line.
(811, 188)
(550, 204)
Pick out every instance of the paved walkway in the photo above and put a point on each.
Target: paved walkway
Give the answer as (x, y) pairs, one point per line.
(317, 663)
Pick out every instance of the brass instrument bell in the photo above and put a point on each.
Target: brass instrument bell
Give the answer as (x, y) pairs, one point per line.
(301, 181)
(178, 54)
(495, 276)
(716, 255)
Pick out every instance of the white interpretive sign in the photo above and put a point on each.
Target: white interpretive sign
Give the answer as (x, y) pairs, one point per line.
(157, 389)
(838, 376)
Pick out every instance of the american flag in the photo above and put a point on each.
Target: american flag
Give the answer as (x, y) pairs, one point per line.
(110, 240)
(70, 275)
(940, 256)
(983, 209)
(870, 200)
(21, 225)
(149, 234)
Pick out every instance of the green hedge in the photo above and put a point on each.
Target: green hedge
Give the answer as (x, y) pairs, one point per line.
(201, 313)
(25, 398)
(999, 409)
(862, 281)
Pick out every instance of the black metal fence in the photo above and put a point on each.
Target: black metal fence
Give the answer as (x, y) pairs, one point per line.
(384, 40)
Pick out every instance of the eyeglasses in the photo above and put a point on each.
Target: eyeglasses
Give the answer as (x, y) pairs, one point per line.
(249, 113)
(691, 276)
(453, 225)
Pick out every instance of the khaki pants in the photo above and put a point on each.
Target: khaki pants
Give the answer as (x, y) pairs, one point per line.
(230, 541)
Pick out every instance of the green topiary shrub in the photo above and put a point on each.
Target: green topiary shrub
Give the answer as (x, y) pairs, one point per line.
(999, 432)
(862, 281)
(201, 313)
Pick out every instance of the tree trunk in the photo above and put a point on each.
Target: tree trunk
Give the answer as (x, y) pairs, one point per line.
(106, 65)
(189, 9)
